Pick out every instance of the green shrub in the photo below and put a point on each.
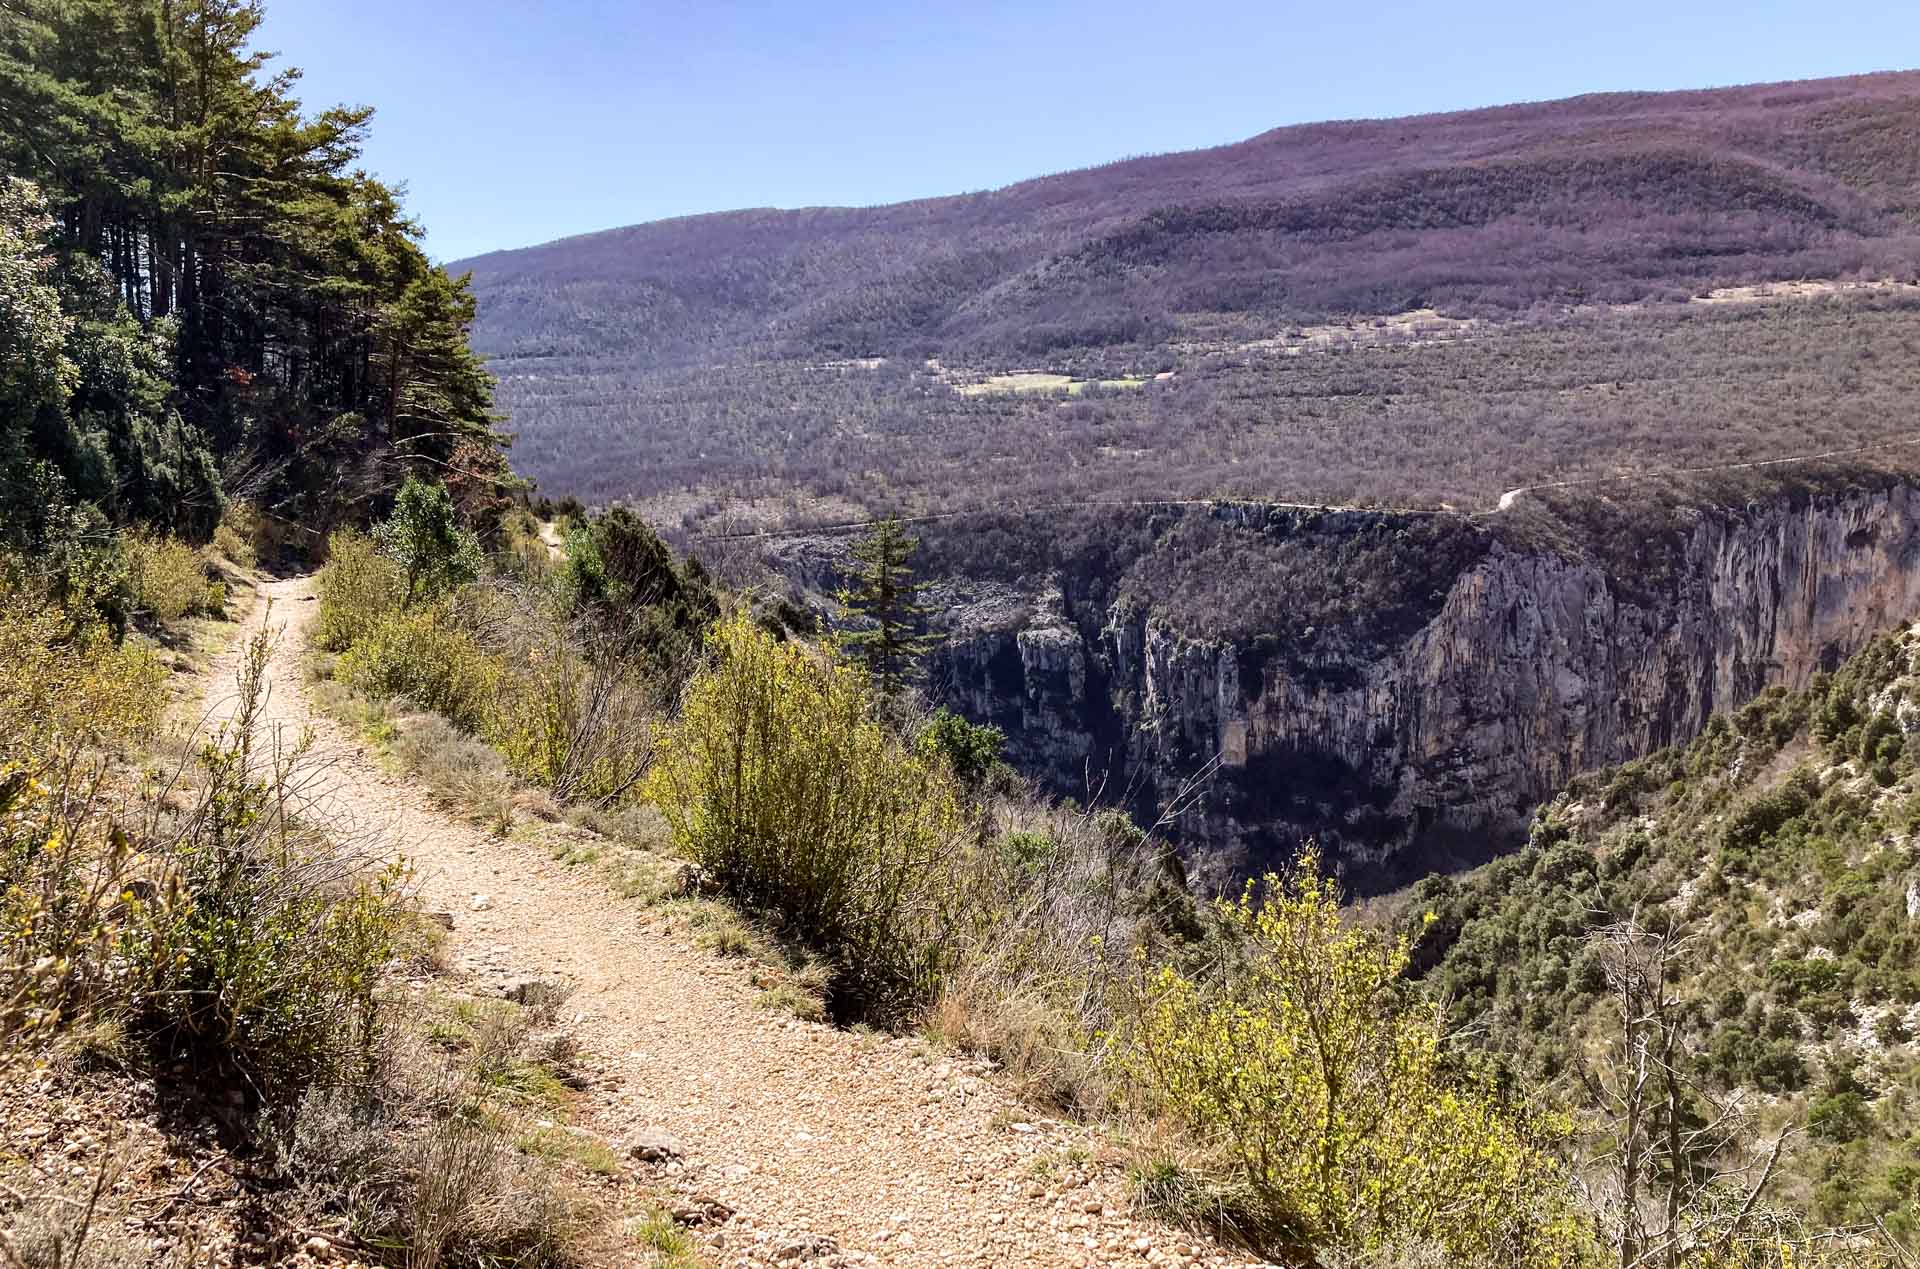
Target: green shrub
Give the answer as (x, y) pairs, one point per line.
(417, 654)
(619, 572)
(248, 536)
(67, 699)
(356, 590)
(781, 782)
(65, 690)
(168, 578)
(970, 750)
(425, 539)
(1325, 1096)
(264, 941)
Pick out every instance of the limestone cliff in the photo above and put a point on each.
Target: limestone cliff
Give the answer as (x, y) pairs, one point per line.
(1409, 737)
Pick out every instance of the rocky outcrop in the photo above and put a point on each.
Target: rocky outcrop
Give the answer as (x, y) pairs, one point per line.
(1432, 746)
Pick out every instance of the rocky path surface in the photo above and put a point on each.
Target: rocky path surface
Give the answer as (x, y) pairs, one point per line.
(801, 1143)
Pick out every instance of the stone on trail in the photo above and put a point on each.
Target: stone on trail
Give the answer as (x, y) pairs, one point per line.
(702, 1209)
(653, 1145)
(807, 1248)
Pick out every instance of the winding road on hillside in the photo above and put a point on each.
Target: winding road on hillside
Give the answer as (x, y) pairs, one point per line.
(830, 1147)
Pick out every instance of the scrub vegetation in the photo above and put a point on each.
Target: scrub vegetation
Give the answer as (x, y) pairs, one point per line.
(1675, 1032)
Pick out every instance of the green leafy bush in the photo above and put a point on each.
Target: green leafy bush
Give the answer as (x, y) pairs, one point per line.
(417, 654)
(970, 751)
(234, 547)
(781, 782)
(67, 700)
(219, 923)
(260, 942)
(65, 690)
(618, 570)
(356, 590)
(425, 538)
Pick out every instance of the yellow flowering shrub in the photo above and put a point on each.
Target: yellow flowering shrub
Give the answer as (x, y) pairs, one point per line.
(68, 696)
(63, 687)
(168, 578)
(780, 780)
(1304, 1068)
(219, 923)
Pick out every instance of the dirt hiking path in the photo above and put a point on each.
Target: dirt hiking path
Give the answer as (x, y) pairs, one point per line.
(825, 1146)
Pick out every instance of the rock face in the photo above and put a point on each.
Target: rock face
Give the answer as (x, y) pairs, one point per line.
(1432, 747)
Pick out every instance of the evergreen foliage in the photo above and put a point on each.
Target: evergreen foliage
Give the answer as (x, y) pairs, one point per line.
(883, 601)
(1778, 847)
(618, 570)
(425, 539)
(970, 750)
(201, 294)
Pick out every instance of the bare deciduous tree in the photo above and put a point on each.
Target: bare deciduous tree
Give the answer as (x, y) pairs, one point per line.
(1673, 1169)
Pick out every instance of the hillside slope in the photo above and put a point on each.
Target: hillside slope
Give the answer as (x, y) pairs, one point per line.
(1608, 198)
(1778, 848)
(1506, 297)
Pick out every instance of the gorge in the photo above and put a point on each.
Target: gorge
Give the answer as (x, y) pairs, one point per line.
(1410, 731)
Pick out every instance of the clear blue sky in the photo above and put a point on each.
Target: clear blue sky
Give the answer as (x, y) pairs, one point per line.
(518, 121)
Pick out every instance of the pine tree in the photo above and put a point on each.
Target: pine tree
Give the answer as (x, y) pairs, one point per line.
(884, 601)
(235, 295)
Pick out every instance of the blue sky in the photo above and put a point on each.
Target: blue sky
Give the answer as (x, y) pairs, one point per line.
(517, 121)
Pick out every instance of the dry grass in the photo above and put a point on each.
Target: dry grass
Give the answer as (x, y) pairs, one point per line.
(582, 1149)
(79, 1225)
(1067, 896)
(466, 774)
(1049, 1058)
(1174, 1181)
(442, 1156)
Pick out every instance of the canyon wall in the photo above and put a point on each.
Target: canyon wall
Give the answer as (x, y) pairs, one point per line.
(1428, 748)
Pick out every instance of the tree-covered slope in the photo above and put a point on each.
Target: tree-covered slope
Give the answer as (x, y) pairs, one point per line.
(1777, 854)
(1603, 198)
(1404, 312)
(202, 295)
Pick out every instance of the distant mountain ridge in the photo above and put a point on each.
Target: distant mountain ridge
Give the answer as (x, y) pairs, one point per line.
(1107, 366)
(1612, 197)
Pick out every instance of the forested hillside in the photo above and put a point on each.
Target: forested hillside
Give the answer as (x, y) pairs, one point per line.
(1503, 297)
(1762, 881)
(202, 297)
(1606, 198)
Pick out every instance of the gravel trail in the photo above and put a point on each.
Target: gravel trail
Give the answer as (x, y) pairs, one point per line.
(827, 1147)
